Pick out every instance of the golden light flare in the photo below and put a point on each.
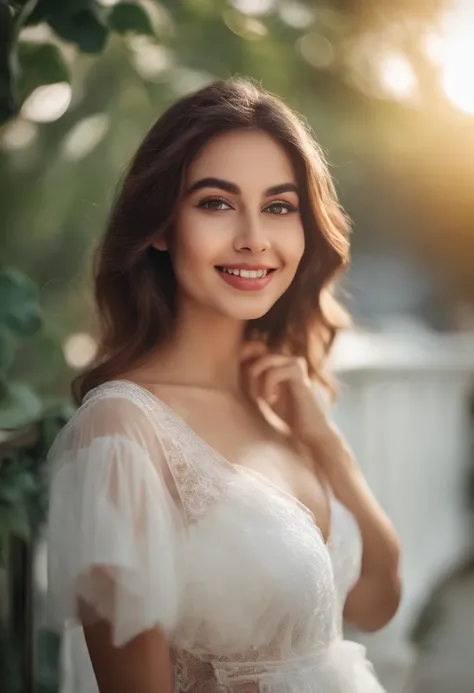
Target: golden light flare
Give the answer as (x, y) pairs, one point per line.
(397, 76)
(453, 50)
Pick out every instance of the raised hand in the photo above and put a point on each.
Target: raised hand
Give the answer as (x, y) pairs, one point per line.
(280, 383)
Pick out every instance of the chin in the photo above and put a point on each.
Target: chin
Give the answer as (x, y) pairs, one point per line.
(247, 312)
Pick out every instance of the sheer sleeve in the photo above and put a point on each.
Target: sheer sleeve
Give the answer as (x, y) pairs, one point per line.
(115, 528)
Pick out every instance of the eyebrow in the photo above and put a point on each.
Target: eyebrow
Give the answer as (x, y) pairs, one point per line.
(235, 190)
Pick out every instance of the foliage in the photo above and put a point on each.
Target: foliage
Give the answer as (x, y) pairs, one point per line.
(57, 176)
(23, 510)
(20, 318)
(88, 24)
(9, 668)
(22, 477)
(84, 23)
(28, 426)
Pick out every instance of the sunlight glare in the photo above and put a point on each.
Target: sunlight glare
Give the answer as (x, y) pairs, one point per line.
(457, 72)
(397, 76)
(456, 55)
(457, 81)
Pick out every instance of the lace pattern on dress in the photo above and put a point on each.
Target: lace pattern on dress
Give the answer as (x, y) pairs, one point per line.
(270, 675)
(197, 473)
(199, 485)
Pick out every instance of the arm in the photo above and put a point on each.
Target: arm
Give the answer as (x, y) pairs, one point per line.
(375, 598)
(114, 552)
(142, 664)
(282, 383)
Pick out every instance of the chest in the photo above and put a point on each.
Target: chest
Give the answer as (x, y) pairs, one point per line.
(255, 559)
(242, 437)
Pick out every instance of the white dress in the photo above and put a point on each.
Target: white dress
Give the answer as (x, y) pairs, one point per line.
(151, 526)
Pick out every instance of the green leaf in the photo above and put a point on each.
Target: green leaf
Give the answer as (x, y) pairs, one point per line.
(3, 388)
(19, 308)
(8, 105)
(4, 536)
(57, 409)
(44, 9)
(11, 496)
(7, 350)
(126, 17)
(16, 520)
(40, 63)
(25, 483)
(41, 11)
(84, 28)
(36, 358)
(48, 660)
(19, 406)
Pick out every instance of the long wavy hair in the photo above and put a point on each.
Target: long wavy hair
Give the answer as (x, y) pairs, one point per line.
(135, 285)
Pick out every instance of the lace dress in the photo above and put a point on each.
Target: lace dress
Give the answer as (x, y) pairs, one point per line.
(151, 526)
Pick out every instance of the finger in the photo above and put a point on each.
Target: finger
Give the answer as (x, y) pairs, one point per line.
(274, 377)
(252, 350)
(258, 367)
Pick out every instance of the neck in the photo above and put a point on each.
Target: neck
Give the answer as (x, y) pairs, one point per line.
(204, 350)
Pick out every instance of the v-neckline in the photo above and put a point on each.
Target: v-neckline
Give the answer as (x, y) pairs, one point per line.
(234, 467)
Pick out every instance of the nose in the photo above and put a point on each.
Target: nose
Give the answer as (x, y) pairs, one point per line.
(251, 235)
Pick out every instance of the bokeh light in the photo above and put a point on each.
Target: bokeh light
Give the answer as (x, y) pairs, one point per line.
(47, 103)
(18, 135)
(453, 49)
(397, 76)
(254, 7)
(85, 136)
(79, 350)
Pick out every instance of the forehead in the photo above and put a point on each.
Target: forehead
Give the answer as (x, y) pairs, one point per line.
(248, 158)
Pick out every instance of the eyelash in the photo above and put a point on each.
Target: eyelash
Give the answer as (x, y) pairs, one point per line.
(285, 205)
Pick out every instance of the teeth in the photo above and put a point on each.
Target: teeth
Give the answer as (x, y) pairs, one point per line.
(247, 274)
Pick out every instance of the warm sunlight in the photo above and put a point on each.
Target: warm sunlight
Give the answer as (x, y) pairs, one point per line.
(455, 53)
(397, 76)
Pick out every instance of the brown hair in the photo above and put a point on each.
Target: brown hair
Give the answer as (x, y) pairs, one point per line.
(135, 286)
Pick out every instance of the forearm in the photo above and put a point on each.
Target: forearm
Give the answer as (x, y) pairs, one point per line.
(375, 598)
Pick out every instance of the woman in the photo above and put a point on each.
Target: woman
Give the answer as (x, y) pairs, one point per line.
(209, 528)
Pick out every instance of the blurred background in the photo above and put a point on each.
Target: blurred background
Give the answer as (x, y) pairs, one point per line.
(388, 87)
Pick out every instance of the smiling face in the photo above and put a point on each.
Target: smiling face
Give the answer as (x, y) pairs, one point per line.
(238, 236)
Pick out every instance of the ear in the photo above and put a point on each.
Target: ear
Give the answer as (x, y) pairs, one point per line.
(160, 243)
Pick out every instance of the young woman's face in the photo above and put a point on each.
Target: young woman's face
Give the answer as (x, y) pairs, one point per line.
(238, 237)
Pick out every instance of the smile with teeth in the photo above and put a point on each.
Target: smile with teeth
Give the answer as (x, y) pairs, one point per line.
(246, 274)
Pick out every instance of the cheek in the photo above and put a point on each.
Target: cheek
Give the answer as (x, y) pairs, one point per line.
(294, 246)
(194, 244)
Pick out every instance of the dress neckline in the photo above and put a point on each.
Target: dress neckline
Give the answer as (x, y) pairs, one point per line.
(232, 467)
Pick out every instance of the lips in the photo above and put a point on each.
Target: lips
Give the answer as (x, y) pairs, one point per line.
(246, 278)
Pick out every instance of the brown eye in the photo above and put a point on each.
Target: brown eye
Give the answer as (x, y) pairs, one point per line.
(281, 208)
(214, 204)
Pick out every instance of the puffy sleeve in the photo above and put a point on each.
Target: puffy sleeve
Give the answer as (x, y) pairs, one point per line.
(115, 530)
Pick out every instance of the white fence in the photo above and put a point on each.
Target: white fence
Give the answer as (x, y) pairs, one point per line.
(404, 408)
